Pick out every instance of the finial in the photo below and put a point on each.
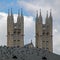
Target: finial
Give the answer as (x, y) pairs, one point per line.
(50, 11)
(11, 11)
(47, 18)
(31, 41)
(18, 12)
(37, 13)
(8, 12)
(47, 13)
(21, 12)
(40, 12)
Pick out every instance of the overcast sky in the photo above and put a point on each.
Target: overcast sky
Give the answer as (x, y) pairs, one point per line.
(29, 10)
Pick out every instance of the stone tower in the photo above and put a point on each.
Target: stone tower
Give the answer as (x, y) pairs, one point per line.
(44, 32)
(15, 31)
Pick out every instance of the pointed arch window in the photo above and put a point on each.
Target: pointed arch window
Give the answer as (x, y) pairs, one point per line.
(47, 33)
(43, 33)
(44, 58)
(14, 57)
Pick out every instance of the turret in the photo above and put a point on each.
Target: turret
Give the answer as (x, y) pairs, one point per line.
(22, 20)
(12, 18)
(19, 19)
(36, 16)
(8, 21)
(8, 17)
(36, 21)
(44, 32)
(47, 19)
(40, 17)
(38, 30)
(40, 23)
(11, 22)
(20, 25)
(50, 22)
(22, 13)
(10, 28)
(50, 31)
(50, 14)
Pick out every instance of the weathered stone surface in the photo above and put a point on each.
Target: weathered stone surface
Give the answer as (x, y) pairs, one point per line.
(17, 53)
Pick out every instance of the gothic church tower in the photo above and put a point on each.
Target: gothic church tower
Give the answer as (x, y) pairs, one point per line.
(44, 32)
(15, 31)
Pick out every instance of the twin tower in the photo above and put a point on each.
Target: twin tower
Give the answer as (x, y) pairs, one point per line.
(43, 32)
(15, 31)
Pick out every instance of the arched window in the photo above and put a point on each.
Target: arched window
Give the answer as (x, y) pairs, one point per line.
(47, 33)
(14, 57)
(44, 58)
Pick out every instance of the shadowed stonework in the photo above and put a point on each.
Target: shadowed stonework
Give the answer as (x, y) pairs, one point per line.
(17, 53)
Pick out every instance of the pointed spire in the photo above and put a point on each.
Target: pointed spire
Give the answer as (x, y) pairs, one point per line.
(36, 15)
(40, 17)
(40, 13)
(18, 18)
(12, 18)
(50, 13)
(21, 12)
(18, 12)
(8, 17)
(47, 14)
(8, 13)
(11, 12)
(31, 41)
(47, 20)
